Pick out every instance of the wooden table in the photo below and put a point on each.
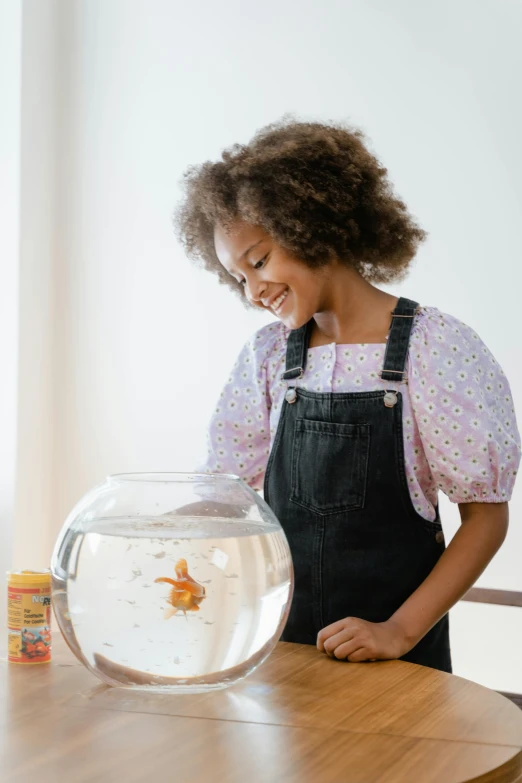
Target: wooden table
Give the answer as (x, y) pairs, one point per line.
(300, 717)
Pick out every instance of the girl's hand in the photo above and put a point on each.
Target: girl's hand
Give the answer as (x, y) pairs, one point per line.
(358, 640)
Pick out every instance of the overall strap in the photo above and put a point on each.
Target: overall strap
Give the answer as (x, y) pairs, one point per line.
(394, 368)
(297, 352)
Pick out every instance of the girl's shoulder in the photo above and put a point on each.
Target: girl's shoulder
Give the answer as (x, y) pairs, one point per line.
(443, 342)
(432, 325)
(269, 342)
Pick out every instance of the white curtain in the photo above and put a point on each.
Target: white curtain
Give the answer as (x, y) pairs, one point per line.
(28, 257)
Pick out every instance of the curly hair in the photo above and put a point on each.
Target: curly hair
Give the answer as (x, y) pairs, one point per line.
(314, 188)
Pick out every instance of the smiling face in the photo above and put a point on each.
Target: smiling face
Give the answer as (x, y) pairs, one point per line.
(272, 278)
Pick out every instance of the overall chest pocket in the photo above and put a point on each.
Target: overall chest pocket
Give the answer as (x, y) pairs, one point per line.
(330, 465)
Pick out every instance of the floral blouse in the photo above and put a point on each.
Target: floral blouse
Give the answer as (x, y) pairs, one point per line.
(459, 426)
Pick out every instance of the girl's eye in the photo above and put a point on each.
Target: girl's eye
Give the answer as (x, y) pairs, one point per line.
(260, 263)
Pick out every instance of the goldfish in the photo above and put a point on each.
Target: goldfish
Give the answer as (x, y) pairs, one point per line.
(29, 650)
(186, 593)
(45, 636)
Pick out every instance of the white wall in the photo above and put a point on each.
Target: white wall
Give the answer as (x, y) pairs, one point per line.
(10, 98)
(36, 260)
(143, 342)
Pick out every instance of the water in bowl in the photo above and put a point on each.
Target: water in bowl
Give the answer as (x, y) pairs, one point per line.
(210, 622)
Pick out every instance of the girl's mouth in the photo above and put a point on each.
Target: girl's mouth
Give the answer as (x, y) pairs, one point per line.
(277, 305)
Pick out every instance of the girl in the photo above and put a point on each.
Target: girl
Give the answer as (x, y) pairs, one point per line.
(355, 408)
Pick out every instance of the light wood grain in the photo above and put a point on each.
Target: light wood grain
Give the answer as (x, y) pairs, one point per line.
(300, 717)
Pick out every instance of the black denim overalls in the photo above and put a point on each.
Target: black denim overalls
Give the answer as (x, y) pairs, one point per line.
(336, 481)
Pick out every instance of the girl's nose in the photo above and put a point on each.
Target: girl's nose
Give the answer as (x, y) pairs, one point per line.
(256, 291)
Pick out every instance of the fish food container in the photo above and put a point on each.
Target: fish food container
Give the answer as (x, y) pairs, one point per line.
(29, 617)
(172, 581)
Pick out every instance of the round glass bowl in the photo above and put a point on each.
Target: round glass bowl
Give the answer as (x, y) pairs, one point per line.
(172, 582)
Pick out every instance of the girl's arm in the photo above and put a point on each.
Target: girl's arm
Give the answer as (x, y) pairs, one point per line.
(483, 529)
(480, 536)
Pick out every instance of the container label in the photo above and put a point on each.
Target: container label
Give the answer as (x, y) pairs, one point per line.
(29, 624)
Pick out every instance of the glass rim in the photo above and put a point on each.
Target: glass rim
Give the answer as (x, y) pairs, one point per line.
(174, 477)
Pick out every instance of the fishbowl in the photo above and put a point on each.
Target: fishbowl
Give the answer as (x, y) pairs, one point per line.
(171, 581)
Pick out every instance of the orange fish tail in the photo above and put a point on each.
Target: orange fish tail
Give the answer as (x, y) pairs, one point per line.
(195, 588)
(181, 569)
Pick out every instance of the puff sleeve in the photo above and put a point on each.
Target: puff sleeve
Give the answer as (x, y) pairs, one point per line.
(464, 411)
(238, 436)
